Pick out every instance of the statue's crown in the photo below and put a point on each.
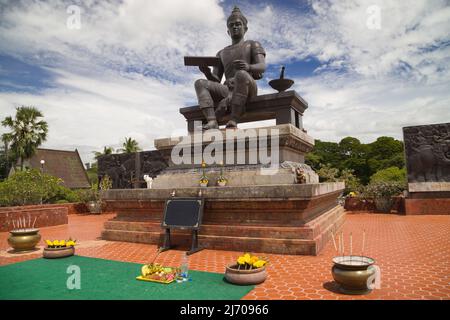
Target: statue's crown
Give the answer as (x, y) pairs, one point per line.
(237, 13)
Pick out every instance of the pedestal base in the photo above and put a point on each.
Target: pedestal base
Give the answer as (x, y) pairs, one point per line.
(283, 219)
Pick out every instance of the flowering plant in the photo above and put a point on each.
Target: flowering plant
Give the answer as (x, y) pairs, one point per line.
(222, 178)
(383, 189)
(247, 261)
(203, 179)
(61, 243)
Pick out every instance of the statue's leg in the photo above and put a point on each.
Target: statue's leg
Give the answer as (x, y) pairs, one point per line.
(209, 92)
(244, 88)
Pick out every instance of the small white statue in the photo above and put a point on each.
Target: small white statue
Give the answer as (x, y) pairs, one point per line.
(149, 181)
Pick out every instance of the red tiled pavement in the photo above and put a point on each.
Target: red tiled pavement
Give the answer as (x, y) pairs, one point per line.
(413, 253)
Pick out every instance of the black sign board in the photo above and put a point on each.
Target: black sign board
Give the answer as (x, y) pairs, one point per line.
(183, 213)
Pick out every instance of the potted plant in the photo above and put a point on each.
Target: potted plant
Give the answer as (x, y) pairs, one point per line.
(221, 180)
(203, 179)
(382, 193)
(59, 248)
(247, 270)
(95, 202)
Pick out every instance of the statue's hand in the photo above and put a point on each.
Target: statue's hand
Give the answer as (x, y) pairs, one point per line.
(241, 65)
(205, 69)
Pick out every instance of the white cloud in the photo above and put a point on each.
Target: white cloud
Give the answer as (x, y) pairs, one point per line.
(122, 73)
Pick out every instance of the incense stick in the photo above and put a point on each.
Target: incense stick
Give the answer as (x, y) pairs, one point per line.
(343, 248)
(340, 245)
(364, 240)
(34, 221)
(351, 248)
(334, 242)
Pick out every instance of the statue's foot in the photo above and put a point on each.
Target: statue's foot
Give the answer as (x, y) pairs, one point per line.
(212, 124)
(231, 124)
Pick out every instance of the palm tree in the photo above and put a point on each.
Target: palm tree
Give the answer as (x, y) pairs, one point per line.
(27, 133)
(130, 146)
(106, 150)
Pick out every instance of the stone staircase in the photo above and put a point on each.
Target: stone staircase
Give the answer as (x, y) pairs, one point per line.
(258, 235)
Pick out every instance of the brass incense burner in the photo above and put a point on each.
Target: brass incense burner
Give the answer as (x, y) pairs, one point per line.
(24, 240)
(354, 274)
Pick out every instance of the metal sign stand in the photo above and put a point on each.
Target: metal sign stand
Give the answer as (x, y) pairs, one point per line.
(194, 227)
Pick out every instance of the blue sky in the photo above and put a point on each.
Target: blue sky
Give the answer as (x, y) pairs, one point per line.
(121, 73)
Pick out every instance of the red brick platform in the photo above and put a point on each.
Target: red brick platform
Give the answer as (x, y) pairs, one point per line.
(295, 219)
(45, 215)
(427, 206)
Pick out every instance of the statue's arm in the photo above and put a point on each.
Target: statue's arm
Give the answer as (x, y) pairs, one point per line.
(216, 74)
(259, 67)
(211, 76)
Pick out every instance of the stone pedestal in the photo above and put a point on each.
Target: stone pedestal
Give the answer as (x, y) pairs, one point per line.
(261, 156)
(285, 107)
(428, 198)
(427, 150)
(288, 219)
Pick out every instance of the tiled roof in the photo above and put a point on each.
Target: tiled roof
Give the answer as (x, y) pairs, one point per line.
(66, 165)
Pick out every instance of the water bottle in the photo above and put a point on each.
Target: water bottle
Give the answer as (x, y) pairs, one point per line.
(185, 267)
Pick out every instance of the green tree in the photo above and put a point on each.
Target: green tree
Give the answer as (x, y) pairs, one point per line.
(27, 133)
(385, 148)
(3, 165)
(106, 150)
(92, 173)
(324, 153)
(130, 146)
(29, 187)
(391, 174)
(328, 174)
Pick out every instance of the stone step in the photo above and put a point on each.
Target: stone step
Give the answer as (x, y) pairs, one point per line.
(242, 244)
(219, 230)
(309, 231)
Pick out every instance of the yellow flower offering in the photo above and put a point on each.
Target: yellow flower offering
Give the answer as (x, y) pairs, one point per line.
(49, 243)
(249, 262)
(56, 243)
(241, 260)
(259, 263)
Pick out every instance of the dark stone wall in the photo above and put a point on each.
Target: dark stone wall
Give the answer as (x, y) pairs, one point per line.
(427, 151)
(127, 170)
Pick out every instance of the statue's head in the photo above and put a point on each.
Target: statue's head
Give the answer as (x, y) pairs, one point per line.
(237, 24)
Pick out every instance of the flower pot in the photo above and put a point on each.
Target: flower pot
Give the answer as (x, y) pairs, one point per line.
(94, 207)
(53, 253)
(221, 183)
(384, 204)
(353, 273)
(203, 184)
(245, 277)
(24, 240)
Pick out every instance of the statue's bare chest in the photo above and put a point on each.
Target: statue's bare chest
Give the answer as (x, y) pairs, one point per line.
(232, 53)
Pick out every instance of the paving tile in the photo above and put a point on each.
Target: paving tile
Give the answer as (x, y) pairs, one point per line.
(413, 253)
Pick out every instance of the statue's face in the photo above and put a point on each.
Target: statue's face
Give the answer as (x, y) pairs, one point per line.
(236, 28)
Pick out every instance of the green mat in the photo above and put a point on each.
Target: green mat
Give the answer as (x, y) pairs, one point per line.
(101, 279)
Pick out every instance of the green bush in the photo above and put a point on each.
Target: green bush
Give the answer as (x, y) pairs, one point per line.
(383, 189)
(329, 174)
(29, 187)
(391, 174)
(62, 201)
(85, 195)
